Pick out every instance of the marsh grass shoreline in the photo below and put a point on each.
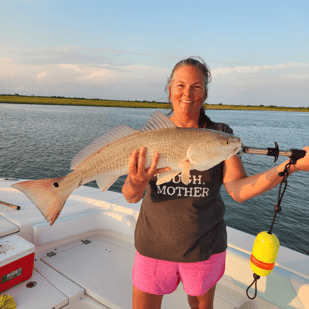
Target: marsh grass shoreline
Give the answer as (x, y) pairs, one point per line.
(20, 99)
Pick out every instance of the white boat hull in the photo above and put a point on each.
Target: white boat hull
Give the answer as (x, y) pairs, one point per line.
(85, 260)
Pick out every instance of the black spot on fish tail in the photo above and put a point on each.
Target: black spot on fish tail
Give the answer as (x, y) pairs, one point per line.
(56, 184)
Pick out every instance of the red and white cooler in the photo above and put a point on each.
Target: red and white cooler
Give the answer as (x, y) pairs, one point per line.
(16, 261)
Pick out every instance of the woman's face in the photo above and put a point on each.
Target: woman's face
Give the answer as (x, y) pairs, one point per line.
(187, 91)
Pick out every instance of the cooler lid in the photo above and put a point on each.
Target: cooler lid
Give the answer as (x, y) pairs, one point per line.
(7, 227)
(13, 248)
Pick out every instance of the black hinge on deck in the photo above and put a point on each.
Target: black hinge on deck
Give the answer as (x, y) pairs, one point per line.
(86, 241)
(51, 253)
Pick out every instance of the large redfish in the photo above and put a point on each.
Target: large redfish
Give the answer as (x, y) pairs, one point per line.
(107, 158)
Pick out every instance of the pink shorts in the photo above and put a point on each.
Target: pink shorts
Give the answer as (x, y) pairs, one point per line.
(162, 277)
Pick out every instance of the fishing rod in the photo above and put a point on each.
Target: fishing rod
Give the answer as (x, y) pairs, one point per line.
(294, 154)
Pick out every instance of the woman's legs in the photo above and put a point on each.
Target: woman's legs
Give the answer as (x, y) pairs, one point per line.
(204, 301)
(143, 300)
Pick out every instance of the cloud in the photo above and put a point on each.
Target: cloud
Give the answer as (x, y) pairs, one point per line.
(71, 72)
(54, 56)
(6, 64)
(81, 55)
(282, 84)
(262, 68)
(296, 76)
(120, 81)
(42, 75)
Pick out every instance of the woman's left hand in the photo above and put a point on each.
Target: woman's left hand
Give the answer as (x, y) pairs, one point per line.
(303, 163)
(242, 187)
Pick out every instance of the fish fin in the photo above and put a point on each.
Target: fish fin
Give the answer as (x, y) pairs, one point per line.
(115, 134)
(158, 121)
(47, 195)
(199, 158)
(185, 173)
(105, 182)
(166, 177)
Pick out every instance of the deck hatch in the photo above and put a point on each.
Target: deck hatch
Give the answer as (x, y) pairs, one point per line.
(100, 267)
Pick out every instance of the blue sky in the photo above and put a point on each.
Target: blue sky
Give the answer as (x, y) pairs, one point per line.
(258, 51)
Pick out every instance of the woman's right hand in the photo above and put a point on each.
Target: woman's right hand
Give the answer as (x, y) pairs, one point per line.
(139, 176)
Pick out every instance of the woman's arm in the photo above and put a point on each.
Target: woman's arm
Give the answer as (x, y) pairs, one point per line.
(242, 187)
(138, 178)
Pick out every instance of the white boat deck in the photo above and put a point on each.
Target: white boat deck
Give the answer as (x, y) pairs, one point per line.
(85, 260)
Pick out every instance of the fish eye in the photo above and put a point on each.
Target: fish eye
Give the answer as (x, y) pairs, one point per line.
(226, 143)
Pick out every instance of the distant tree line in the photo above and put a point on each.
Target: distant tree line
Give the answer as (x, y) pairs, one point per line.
(146, 101)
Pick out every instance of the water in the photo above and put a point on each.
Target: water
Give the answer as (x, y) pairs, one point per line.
(40, 141)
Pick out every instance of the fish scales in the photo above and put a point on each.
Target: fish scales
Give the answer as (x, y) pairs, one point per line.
(115, 157)
(171, 144)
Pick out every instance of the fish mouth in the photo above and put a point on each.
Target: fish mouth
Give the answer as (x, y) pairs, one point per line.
(234, 152)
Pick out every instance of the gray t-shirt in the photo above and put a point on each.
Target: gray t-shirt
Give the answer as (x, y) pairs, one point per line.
(182, 223)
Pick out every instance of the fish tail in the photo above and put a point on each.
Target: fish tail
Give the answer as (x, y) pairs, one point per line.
(48, 195)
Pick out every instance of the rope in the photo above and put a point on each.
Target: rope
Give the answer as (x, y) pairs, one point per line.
(284, 181)
(256, 278)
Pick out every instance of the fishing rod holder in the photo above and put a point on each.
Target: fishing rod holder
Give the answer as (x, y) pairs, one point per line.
(294, 154)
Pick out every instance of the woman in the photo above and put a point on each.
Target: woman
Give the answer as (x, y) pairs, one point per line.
(183, 236)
